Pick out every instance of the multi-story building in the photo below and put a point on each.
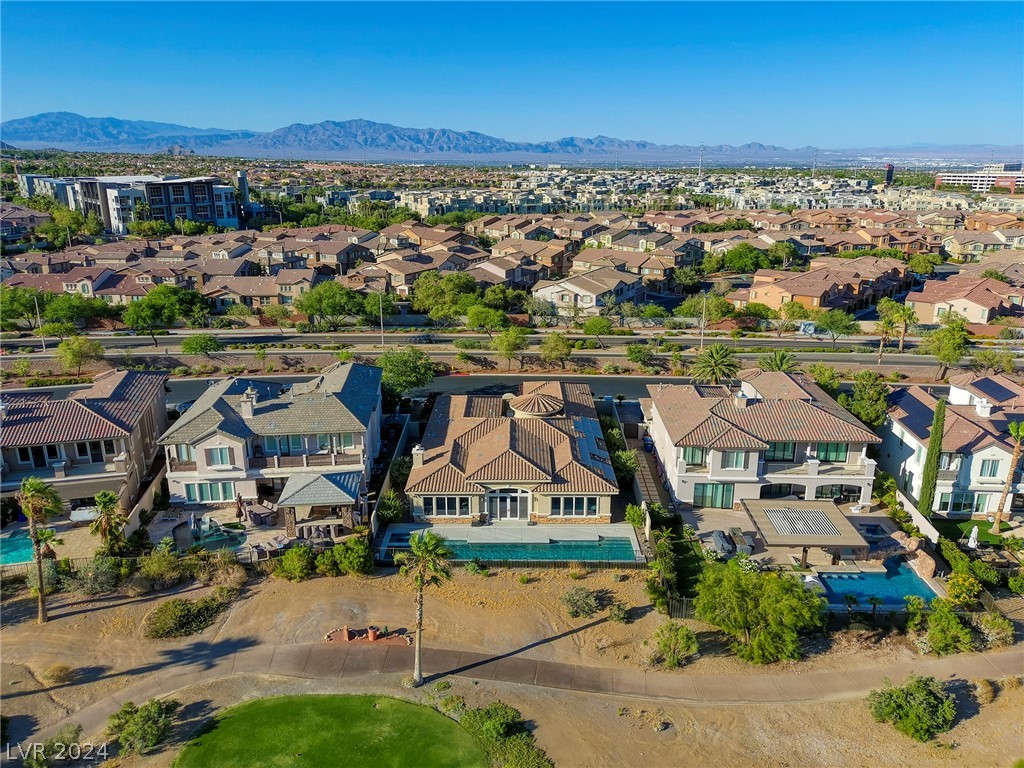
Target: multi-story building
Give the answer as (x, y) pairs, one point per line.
(777, 435)
(976, 446)
(977, 299)
(1008, 175)
(103, 438)
(201, 198)
(310, 448)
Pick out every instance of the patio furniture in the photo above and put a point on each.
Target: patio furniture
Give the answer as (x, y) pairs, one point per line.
(83, 516)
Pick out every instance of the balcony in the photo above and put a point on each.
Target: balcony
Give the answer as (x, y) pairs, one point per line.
(307, 460)
(64, 471)
(804, 468)
(179, 465)
(947, 475)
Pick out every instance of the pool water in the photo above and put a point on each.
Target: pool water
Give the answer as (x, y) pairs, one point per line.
(16, 548)
(610, 549)
(895, 583)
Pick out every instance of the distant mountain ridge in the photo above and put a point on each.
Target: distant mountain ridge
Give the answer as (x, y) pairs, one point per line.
(365, 139)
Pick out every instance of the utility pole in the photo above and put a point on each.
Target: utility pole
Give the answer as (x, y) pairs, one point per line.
(381, 319)
(39, 321)
(703, 319)
(700, 161)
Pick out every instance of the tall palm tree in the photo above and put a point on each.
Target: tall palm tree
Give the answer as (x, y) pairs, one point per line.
(110, 521)
(779, 360)
(851, 603)
(874, 602)
(1016, 430)
(886, 328)
(904, 316)
(426, 562)
(38, 501)
(714, 364)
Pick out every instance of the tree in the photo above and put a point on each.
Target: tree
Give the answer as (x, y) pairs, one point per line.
(1016, 431)
(886, 328)
(443, 297)
(920, 708)
(374, 305)
(555, 349)
(784, 254)
(995, 274)
(404, 369)
(161, 307)
(949, 343)
(875, 602)
(426, 561)
(639, 354)
(239, 310)
(997, 361)
(110, 521)
(93, 225)
(60, 330)
(924, 263)
(789, 313)
(706, 307)
(329, 303)
(903, 315)
(762, 612)
(715, 364)
(687, 279)
(836, 323)
(504, 298)
(276, 313)
(826, 377)
(39, 501)
(542, 308)
(78, 350)
(779, 360)
(930, 472)
(869, 400)
(654, 312)
(481, 318)
(758, 310)
(598, 327)
(72, 307)
(851, 602)
(19, 303)
(204, 344)
(510, 343)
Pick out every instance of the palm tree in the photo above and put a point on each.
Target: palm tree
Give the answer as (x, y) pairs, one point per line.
(874, 602)
(38, 501)
(904, 316)
(714, 364)
(427, 562)
(779, 360)
(851, 603)
(110, 520)
(1016, 430)
(886, 327)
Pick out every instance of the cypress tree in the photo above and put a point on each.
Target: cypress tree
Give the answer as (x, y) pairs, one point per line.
(931, 460)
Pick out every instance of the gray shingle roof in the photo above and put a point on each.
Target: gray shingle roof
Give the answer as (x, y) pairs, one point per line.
(321, 490)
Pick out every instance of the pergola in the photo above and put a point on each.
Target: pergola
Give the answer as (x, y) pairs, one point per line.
(803, 525)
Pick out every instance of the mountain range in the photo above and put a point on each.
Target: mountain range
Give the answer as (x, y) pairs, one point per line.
(371, 141)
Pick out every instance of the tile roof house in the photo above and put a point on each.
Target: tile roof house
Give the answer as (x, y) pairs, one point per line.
(252, 439)
(777, 435)
(539, 457)
(103, 438)
(976, 446)
(968, 246)
(978, 299)
(587, 292)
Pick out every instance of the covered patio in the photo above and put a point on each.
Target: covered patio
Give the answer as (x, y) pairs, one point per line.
(799, 526)
(322, 506)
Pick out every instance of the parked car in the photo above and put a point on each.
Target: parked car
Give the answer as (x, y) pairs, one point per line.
(422, 338)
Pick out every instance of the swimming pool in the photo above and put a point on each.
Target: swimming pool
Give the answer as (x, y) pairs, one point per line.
(602, 550)
(895, 583)
(213, 538)
(16, 548)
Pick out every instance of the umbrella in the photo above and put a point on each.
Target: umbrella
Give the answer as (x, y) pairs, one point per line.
(238, 507)
(192, 521)
(972, 542)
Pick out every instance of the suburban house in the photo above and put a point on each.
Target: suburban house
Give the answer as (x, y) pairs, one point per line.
(310, 448)
(556, 255)
(976, 447)
(535, 457)
(103, 438)
(776, 436)
(978, 299)
(283, 288)
(589, 291)
(18, 222)
(968, 246)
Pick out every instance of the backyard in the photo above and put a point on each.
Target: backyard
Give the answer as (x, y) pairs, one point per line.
(355, 731)
(957, 529)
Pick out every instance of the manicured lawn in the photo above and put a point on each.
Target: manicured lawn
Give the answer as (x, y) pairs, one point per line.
(331, 731)
(954, 529)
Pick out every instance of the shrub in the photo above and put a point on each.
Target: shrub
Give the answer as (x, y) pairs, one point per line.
(580, 601)
(635, 515)
(141, 728)
(675, 643)
(452, 704)
(326, 564)
(958, 560)
(1011, 683)
(915, 612)
(524, 579)
(502, 732)
(996, 630)
(946, 633)
(55, 747)
(1016, 584)
(52, 579)
(99, 576)
(619, 613)
(161, 567)
(391, 507)
(985, 573)
(442, 685)
(921, 708)
(962, 588)
(401, 466)
(137, 585)
(178, 617)
(297, 564)
(477, 569)
(658, 594)
(984, 692)
(58, 674)
(354, 556)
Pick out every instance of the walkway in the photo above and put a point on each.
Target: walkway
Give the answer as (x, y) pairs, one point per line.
(346, 661)
(647, 476)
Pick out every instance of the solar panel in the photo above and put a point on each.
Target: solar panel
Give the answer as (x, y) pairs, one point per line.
(993, 390)
(801, 522)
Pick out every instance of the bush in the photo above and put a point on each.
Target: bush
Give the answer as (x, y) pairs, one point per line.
(985, 573)
(52, 579)
(984, 692)
(297, 564)
(580, 601)
(962, 589)
(137, 585)
(946, 633)
(58, 674)
(996, 630)
(401, 466)
(99, 576)
(391, 507)
(503, 734)
(477, 569)
(1016, 584)
(658, 594)
(161, 567)
(958, 560)
(625, 464)
(619, 613)
(178, 617)
(141, 728)
(354, 556)
(326, 565)
(675, 643)
(635, 515)
(452, 704)
(524, 579)
(916, 617)
(921, 708)
(55, 747)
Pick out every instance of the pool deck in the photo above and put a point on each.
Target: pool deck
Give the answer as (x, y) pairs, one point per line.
(522, 533)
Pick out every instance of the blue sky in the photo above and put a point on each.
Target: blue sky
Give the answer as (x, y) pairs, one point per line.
(829, 74)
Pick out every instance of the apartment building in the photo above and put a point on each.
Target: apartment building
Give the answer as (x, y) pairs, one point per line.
(776, 436)
(1007, 175)
(976, 447)
(103, 438)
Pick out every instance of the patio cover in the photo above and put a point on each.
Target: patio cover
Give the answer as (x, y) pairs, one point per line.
(803, 524)
(336, 489)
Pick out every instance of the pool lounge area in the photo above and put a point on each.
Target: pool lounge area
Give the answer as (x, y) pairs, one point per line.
(893, 582)
(613, 543)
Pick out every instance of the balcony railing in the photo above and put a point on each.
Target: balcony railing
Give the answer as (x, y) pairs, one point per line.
(307, 460)
(179, 465)
(947, 475)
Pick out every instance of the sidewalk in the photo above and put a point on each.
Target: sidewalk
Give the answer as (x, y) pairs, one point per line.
(340, 660)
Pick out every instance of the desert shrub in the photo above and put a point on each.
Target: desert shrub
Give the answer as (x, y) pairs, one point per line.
(452, 704)
(520, 751)
(916, 616)
(97, 577)
(161, 567)
(618, 578)
(179, 617)
(354, 556)
(503, 734)
(477, 569)
(137, 585)
(658, 593)
(391, 507)
(635, 515)
(996, 630)
(297, 564)
(139, 729)
(442, 685)
(1016, 584)
(326, 565)
(58, 674)
(1011, 683)
(54, 748)
(524, 579)
(52, 578)
(985, 573)
(619, 613)
(580, 601)
(962, 588)
(984, 692)
(675, 643)
(920, 708)
(946, 633)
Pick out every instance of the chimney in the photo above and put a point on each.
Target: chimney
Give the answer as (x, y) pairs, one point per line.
(248, 404)
(741, 400)
(417, 455)
(3, 410)
(984, 408)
